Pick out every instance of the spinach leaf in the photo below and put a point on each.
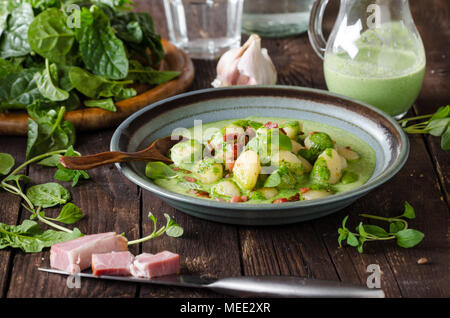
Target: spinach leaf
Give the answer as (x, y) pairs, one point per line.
(94, 86)
(64, 174)
(14, 41)
(46, 86)
(41, 5)
(47, 131)
(101, 51)
(4, 14)
(148, 75)
(48, 194)
(137, 30)
(106, 104)
(7, 67)
(116, 4)
(51, 161)
(30, 238)
(69, 214)
(17, 90)
(158, 170)
(50, 37)
(6, 163)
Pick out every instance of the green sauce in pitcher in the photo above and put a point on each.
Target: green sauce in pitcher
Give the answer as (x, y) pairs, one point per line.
(381, 63)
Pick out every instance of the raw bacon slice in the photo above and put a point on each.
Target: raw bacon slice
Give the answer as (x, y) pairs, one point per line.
(114, 263)
(154, 265)
(75, 255)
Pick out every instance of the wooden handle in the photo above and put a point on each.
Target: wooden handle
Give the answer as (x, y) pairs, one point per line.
(104, 158)
(92, 161)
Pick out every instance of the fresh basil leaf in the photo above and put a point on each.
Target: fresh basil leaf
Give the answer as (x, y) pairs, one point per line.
(409, 238)
(48, 194)
(14, 41)
(409, 211)
(50, 37)
(69, 214)
(106, 104)
(101, 51)
(158, 170)
(46, 85)
(6, 163)
(30, 238)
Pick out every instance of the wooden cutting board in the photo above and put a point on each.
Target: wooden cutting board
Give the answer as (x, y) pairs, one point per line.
(15, 123)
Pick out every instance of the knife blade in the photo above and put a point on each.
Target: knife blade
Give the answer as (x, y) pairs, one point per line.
(250, 286)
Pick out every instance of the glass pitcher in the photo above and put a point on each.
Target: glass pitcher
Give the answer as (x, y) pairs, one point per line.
(374, 53)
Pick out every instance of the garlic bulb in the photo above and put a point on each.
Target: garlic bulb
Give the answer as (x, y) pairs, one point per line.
(247, 65)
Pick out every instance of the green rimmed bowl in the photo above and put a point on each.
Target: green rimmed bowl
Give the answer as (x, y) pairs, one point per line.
(376, 128)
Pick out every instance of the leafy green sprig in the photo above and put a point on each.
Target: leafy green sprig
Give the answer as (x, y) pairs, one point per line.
(398, 230)
(437, 124)
(171, 229)
(39, 196)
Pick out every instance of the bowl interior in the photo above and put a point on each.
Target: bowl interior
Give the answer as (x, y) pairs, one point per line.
(372, 126)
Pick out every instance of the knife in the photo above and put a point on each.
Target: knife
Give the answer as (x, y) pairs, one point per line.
(251, 286)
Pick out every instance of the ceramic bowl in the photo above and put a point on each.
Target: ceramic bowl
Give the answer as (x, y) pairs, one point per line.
(371, 125)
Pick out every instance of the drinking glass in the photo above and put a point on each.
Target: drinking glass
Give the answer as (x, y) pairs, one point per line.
(276, 18)
(374, 53)
(205, 29)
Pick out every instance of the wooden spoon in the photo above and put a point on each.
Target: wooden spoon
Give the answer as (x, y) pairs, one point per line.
(156, 152)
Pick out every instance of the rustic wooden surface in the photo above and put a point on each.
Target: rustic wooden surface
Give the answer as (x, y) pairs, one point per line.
(307, 249)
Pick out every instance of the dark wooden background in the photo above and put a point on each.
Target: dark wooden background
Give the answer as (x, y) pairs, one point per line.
(307, 249)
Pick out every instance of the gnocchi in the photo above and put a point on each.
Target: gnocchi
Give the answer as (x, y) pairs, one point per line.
(246, 169)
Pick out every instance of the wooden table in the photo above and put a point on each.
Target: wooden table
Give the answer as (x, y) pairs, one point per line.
(309, 249)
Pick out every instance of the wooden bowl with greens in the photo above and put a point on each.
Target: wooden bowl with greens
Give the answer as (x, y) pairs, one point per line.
(91, 62)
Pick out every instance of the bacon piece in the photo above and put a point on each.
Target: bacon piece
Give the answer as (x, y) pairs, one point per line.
(76, 255)
(114, 263)
(282, 200)
(153, 265)
(270, 125)
(189, 179)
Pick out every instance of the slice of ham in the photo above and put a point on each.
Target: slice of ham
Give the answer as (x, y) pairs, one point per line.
(154, 265)
(114, 263)
(76, 255)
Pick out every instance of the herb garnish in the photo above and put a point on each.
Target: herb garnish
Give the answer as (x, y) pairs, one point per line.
(437, 124)
(398, 230)
(171, 229)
